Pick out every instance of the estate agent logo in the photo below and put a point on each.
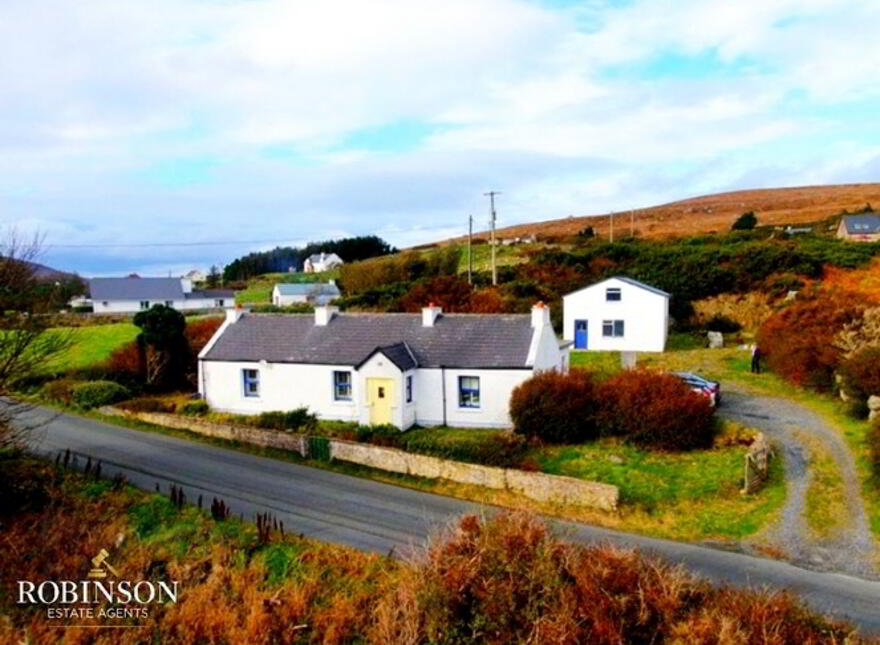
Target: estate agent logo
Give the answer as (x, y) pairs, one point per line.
(119, 599)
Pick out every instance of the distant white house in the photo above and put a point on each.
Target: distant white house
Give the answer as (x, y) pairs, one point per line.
(316, 293)
(130, 295)
(400, 369)
(321, 262)
(196, 276)
(617, 314)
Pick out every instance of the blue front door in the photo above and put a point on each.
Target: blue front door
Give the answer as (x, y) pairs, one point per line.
(580, 334)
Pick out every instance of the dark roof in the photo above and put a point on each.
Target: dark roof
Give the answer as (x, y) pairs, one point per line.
(399, 354)
(647, 287)
(136, 289)
(307, 289)
(455, 340)
(211, 293)
(866, 224)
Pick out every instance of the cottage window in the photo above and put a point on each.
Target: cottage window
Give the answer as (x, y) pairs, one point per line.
(612, 294)
(169, 303)
(469, 391)
(218, 302)
(342, 386)
(612, 328)
(145, 304)
(251, 382)
(409, 389)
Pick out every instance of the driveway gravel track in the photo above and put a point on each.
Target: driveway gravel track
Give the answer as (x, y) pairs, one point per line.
(853, 550)
(380, 517)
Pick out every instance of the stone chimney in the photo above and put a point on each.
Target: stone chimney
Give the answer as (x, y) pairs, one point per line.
(233, 314)
(430, 314)
(324, 314)
(540, 315)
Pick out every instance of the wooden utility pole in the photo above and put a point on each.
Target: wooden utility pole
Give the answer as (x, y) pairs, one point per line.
(470, 246)
(491, 194)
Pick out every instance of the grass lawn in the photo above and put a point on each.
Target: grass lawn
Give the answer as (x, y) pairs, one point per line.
(482, 256)
(259, 290)
(92, 345)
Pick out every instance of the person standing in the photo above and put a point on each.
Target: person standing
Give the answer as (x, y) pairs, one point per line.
(756, 359)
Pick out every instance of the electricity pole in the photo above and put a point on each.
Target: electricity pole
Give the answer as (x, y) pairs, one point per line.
(491, 194)
(470, 252)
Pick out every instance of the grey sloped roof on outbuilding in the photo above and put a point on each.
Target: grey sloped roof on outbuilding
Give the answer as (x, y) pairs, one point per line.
(307, 289)
(210, 293)
(489, 341)
(136, 289)
(399, 354)
(866, 224)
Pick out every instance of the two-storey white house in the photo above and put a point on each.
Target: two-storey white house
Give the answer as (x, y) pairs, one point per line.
(374, 369)
(130, 295)
(617, 314)
(321, 262)
(317, 293)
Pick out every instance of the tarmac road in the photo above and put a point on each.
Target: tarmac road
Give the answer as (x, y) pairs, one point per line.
(380, 517)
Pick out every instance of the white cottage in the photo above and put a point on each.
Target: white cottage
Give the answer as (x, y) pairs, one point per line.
(321, 262)
(316, 293)
(617, 314)
(130, 295)
(400, 369)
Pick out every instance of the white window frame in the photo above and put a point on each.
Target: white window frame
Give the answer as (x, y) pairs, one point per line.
(465, 396)
(145, 304)
(336, 386)
(609, 291)
(248, 379)
(219, 302)
(169, 303)
(614, 325)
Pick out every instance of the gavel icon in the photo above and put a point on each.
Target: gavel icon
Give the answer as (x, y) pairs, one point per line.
(99, 561)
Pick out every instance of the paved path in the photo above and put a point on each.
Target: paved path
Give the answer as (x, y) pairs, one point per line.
(853, 549)
(378, 517)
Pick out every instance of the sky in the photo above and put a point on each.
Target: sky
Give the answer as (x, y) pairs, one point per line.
(219, 127)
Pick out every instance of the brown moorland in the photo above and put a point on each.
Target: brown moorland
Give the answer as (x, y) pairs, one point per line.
(710, 213)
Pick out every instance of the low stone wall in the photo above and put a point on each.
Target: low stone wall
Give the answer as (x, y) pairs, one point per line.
(538, 486)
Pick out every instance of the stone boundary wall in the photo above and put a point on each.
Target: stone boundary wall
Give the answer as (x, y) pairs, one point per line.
(541, 487)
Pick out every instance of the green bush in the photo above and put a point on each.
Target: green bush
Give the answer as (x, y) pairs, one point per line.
(745, 222)
(486, 447)
(98, 393)
(195, 408)
(299, 418)
(856, 409)
(861, 373)
(147, 405)
(60, 391)
(557, 408)
(873, 441)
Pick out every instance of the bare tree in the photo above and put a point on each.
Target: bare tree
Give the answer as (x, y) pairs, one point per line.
(27, 343)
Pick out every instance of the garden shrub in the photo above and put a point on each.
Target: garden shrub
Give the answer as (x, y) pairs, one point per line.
(856, 409)
(722, 323)
(486, 447)
(656, 410)
(556, 408)
(126, 363)
(59, 391)
(745, 222)
(300, 418)
(98, 393)
(195, 408)
(799, 340)
(861, 374)
(147, 405)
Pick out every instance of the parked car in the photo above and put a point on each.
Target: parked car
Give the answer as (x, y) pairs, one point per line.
(702, 385)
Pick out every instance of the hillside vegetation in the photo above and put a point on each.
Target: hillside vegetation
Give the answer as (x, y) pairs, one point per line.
(709, 213)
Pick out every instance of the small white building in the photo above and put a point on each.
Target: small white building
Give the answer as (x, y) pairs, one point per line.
(321, 262)
(374, 369)
(196, 276)
(133, 294)
(617, 314)
(316, 293)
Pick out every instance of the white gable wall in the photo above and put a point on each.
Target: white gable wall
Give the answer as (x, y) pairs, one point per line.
(645, 315)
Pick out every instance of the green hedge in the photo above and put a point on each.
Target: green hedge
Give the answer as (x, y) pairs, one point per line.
(98, 393)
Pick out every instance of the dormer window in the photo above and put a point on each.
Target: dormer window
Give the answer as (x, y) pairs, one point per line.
(612, 294)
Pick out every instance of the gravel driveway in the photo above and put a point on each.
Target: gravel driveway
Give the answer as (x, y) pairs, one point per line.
(853, 549)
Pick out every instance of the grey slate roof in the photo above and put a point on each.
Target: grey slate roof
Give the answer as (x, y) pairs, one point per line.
(455, 340)
(307, 289)
(210, 293)
(399, 354)
(136, 289)
(647, 287)
(866, 224)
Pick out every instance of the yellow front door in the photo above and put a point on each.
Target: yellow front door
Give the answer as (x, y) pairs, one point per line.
(379, 391)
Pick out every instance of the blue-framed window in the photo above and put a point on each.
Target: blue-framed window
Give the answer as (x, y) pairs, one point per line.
(342, 386)
(612, 294)
(468, 391)
(612, 328)
(251, 380)
(409, 389)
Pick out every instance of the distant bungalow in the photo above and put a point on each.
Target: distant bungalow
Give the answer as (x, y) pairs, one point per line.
(859, 228)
